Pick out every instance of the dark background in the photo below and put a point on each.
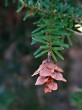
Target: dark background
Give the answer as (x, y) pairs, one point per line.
(17, 64)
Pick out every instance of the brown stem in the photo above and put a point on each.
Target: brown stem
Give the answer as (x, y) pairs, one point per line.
(38, 9)
(49, 54)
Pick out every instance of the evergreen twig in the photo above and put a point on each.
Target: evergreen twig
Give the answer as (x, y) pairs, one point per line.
(35, 8)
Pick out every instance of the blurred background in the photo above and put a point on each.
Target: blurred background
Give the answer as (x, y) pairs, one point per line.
(17, 64)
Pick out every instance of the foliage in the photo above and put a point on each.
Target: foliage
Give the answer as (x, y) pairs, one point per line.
(55, 27)
(76, 99)
(6, 98)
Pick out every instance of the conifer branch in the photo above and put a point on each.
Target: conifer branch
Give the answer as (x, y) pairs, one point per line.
(35, 8)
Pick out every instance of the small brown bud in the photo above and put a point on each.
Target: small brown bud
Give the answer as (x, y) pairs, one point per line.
(32, 10)
(55, 11)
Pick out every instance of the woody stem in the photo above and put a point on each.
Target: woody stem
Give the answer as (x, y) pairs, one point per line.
(35, 8)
